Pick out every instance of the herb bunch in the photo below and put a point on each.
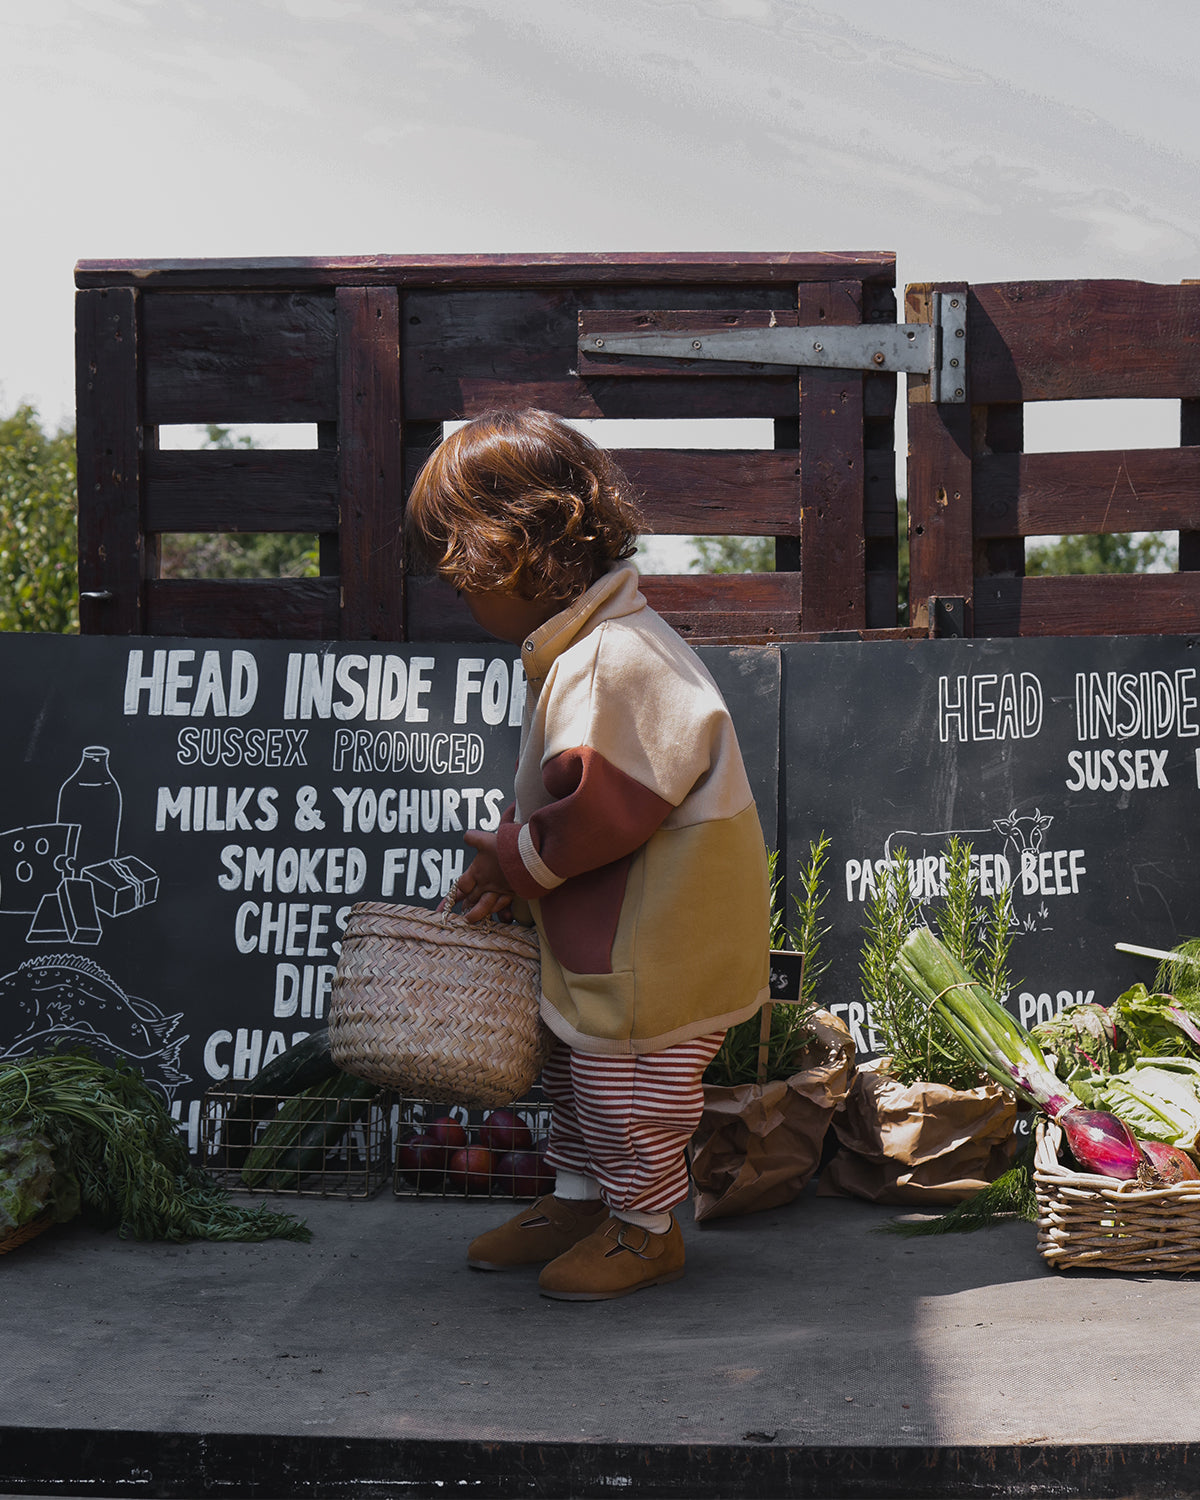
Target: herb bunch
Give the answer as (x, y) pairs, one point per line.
(978, 935)
(791, 1033)
(107, 1129)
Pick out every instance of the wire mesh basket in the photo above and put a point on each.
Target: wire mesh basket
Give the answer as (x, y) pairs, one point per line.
(306, 1145)
(471, 1153)
(1100, 1223)
(438, 1008)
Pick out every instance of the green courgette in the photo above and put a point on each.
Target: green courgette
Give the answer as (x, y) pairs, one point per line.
(308, 1126)
(298, 1070)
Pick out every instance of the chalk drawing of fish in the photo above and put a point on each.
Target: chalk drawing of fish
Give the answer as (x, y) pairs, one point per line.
(66, 999)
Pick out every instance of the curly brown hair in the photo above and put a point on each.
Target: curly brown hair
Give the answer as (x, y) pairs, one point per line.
(518, 502)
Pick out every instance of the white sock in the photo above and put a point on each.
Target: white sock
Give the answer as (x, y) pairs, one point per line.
(575, 1187)
(655, 1223)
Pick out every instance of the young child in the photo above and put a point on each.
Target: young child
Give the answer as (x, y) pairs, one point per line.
(633, 840)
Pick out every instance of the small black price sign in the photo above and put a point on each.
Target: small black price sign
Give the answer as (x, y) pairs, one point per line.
(787, 969)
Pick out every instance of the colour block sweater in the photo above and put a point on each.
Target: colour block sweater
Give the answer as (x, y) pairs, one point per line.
(633, 834)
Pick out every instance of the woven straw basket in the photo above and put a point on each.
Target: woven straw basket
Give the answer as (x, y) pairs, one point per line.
(437, 1008)
(1102, 1224)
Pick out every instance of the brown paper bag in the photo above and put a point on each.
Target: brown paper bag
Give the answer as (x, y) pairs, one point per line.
(920, 1143)
(759, 1143)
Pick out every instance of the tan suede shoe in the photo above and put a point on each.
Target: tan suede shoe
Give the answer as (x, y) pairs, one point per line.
(616, 1259)
(537, 1234)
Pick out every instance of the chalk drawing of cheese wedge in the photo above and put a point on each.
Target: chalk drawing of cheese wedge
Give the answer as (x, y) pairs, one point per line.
(33, 862)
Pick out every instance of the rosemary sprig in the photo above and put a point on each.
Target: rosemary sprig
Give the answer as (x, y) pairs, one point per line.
(921, 1048)
(791, 1024)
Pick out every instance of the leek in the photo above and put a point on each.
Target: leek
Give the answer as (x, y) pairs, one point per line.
(1100, 1142)
(983, 1028)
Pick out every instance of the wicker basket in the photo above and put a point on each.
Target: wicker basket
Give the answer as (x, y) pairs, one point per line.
(436, 1007)
(1103, 1224)
(25, 1232)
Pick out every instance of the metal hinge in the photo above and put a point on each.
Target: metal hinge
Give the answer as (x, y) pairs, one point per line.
(937, 349)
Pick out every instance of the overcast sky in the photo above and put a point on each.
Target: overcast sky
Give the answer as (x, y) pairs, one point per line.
(990, 141)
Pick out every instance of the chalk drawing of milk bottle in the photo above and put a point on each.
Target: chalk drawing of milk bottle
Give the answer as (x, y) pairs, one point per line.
(91, 797)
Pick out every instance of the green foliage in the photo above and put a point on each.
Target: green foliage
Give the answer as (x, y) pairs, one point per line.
(809, 926)
(790, 1030)
(733, 554)
(114, 1136)
(978, 936)
(1011, 1197)
(226, 554)
(1122, 552)
(39, 588)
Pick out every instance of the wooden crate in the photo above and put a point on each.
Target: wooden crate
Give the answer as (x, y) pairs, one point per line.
(379, 352)
(974, 495)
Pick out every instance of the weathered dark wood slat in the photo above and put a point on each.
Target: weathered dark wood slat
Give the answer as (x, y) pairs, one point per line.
(997, 430)
(434, 613)
(832, 473)
(241, 489)
(686, 593)
(1189, 437)
(466, 351)
(714, 625)
(111, 548)
(750, 492)
(270, 608)
(939, 486)
(1092, 604)
(248, 357)
(1047, 494)
(879, 501)
(371, 464)
(1065, 340)
(625, 268)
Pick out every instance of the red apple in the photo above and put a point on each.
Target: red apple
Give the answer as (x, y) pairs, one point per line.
(422, 1162)
(448, 1131)
(522, 1173)
(470, 1169)
(505, 1130)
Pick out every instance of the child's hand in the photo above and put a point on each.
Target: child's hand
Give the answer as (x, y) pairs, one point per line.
(482, 887)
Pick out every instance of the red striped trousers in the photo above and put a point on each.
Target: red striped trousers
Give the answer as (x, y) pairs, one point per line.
(625, 1121)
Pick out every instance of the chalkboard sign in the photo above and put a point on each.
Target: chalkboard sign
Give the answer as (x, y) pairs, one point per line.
(187, 823)
(1071, 766)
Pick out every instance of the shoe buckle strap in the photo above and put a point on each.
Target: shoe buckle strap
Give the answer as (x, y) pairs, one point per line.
(627, 1228)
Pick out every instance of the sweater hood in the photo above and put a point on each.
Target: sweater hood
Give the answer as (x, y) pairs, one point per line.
(613, 595)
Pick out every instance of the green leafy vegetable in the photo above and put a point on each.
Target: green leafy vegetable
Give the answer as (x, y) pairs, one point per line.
(1085, 1039)
(1155, 1023)
(106, 1128)
(29, 1182)
(1158, 1098)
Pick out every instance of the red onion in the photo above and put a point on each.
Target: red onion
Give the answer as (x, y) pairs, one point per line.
(1100, 1142)
(1170, 1163)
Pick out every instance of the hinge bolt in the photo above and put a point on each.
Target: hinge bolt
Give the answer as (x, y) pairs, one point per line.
(599, 343)
(818, 347)
(878, 356)
(695, 343)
